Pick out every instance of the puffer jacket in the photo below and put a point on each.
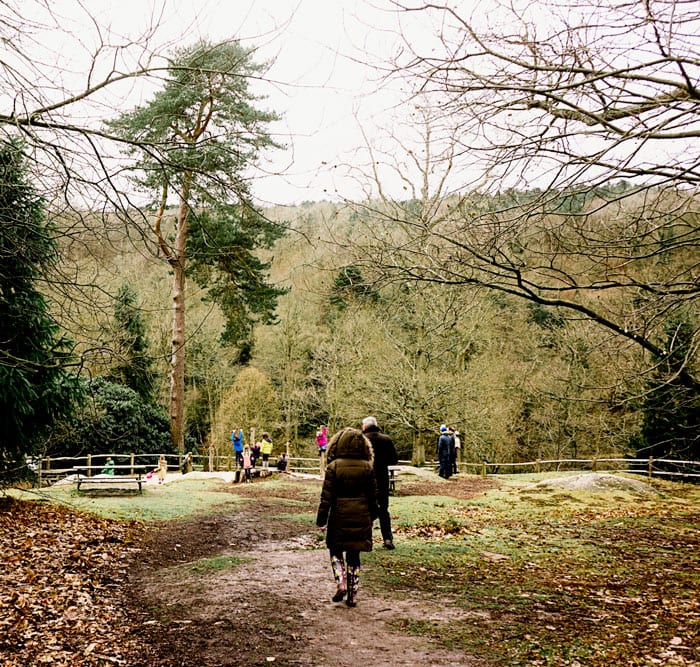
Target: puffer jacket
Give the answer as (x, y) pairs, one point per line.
(348, 504)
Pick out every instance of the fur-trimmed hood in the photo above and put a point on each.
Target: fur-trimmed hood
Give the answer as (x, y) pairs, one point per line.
(350, 443)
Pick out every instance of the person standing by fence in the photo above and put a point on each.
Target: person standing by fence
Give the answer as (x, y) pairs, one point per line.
(444, 452)
(187, 463)
(237, 440)
(255, 452)
(384, 456)
(322, 439)
(266, 449)
(457, 457)
(247, 458)
(162, 468)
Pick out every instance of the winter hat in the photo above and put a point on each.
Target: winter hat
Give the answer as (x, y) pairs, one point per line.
(443, 429)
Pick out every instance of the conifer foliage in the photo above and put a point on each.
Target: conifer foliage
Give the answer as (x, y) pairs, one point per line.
(35, 386)
(135, 366)
(671, 410)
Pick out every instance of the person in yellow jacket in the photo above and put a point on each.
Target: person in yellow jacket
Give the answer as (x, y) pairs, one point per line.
(266, 449)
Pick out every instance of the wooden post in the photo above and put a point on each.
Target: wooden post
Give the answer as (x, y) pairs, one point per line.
(537, 465)
(228, 462)
(483, 469)
(651, 466)
(89, 465)
(594, 464)
(131, 464)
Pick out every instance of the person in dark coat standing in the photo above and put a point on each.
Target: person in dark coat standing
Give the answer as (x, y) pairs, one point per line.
(384, 456)
(348, 508)
(444, 452)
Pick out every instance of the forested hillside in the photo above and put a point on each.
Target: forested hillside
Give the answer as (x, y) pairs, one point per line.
(518, 379)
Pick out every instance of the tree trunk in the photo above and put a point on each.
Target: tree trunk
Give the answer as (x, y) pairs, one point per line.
(418, 456)
(213, 443)
(177, 371)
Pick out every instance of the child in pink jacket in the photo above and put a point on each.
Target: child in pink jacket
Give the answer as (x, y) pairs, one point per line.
(322, 439)
(247, 462)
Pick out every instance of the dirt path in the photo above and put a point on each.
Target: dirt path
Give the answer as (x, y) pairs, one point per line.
(274, 607)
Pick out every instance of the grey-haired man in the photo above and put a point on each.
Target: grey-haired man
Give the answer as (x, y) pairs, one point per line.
(384, 456)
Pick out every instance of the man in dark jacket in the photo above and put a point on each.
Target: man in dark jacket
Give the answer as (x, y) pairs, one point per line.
(444, 452)
(384, 456)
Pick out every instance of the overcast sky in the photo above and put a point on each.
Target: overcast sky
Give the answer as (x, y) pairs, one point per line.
(320, 82)
(325, 81)
(326, 88)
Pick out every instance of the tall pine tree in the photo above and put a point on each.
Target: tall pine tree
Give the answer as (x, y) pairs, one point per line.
(194, 144)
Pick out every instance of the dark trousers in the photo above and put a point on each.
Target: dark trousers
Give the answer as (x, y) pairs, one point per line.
(384, 516)
(445, 465)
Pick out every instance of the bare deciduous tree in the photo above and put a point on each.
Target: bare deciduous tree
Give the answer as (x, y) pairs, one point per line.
(576, 142)
(62, 73)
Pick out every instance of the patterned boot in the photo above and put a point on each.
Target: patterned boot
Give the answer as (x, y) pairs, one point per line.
(339, 573)
(353, 585)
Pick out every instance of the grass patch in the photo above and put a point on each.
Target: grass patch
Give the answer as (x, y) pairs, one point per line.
(176, 500)
(282, 487)
(304, 518)
(552, 576)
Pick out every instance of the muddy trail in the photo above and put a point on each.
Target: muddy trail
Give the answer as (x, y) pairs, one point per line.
(274, 606)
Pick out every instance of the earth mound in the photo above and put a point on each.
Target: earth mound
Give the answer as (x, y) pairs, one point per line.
(599, 482)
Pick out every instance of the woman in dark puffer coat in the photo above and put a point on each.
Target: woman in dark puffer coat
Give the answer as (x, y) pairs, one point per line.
(348, 508)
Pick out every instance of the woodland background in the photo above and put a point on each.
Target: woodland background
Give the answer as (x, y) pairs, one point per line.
(519, 380)
(533, 282)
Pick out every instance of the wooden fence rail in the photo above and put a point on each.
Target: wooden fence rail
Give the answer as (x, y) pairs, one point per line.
(50, 469)
(649, 466)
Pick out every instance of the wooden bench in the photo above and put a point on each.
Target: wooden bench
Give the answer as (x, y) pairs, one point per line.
(393, 478)
(135, 477)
